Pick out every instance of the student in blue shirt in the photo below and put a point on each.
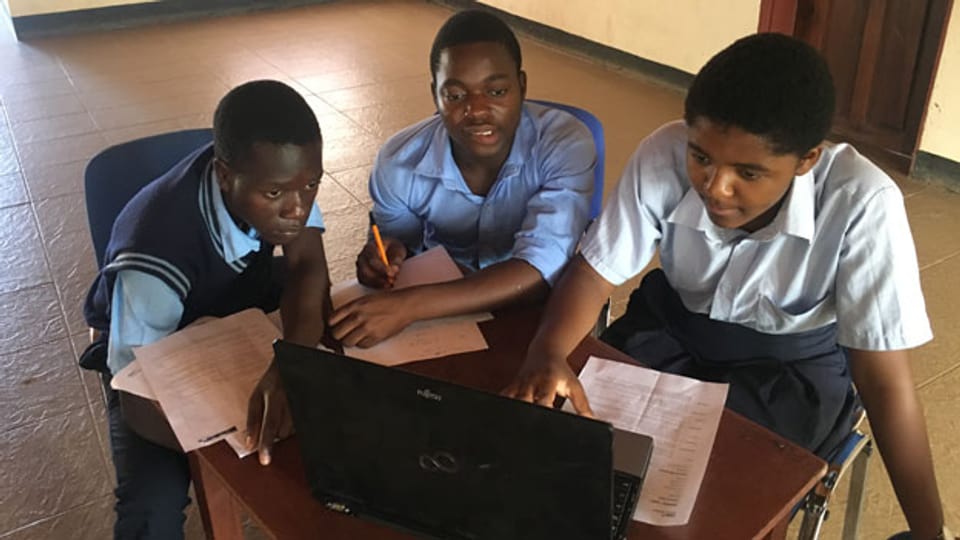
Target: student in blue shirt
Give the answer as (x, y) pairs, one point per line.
(504, 186)
(788, 268)
(198, 242)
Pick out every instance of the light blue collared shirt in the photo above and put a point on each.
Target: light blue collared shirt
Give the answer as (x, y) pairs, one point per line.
(144, 309)
(839, 249)
(535, 211)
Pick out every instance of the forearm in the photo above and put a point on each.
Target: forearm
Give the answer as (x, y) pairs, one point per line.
(571, 311)
(509, 282)
(306, 295)
(898, 426)
(303, 307)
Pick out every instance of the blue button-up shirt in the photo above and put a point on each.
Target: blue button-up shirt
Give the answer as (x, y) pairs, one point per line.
(535, 211)
(144, 309)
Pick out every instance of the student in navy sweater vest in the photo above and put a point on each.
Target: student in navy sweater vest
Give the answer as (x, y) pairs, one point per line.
(198, 242)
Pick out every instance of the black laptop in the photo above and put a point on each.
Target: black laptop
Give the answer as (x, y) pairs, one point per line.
(445, 461)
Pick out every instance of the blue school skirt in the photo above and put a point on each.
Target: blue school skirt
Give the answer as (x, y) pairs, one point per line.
(796, 385)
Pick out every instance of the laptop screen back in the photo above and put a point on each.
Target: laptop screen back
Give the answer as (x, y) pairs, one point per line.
(443, 459)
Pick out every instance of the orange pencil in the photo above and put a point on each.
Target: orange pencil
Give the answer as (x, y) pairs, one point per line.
(379, 241)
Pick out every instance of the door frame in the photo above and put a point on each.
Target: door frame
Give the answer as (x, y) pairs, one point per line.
(781, 16)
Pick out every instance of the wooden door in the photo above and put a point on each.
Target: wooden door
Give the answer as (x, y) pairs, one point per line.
(882, 54)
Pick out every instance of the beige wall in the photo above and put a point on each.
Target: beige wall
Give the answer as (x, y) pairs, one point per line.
(682, 34)
(20, 8)
(941, 132)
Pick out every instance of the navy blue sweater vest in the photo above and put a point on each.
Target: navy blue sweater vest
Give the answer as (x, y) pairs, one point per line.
(162, 232)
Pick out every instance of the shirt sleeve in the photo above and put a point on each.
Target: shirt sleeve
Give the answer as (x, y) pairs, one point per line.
(880, 304)
(623, 239)
(315, 219)
(143, 309)
(389, 190)
(557, 214)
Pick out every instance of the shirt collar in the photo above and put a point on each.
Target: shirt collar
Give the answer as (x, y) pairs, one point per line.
(230, 241)
(795, 218)
(438, 162)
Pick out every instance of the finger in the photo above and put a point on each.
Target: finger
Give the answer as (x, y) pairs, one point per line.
(525, 392)
(355, 336)
(396, 252)
(267, 432)
(344, 328)
(370, 268)
(545, 397)
(337, 316)
(375, 264)
(579, 399)
(511, 390)
(254, 417)
(368, 341)
(370, 277)
(342, 313)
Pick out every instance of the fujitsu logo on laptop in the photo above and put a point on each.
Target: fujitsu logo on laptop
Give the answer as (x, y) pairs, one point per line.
(426, 393)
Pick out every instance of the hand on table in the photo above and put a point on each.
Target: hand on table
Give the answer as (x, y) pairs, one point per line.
(370, 319)
(541, 380)
(268, 416)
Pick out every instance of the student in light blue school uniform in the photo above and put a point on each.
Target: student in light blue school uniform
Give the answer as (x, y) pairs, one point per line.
(503, 185)
(788, 268)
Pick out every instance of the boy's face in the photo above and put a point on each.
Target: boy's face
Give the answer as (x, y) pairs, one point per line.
(274, 188)
(479, 94)
(737, 175)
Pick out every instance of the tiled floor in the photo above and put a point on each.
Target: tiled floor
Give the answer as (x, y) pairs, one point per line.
(363, 67)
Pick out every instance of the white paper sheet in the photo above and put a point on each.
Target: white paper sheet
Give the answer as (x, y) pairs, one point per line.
(423, 339)
(682, 416)
(203, 376)
(130, 379)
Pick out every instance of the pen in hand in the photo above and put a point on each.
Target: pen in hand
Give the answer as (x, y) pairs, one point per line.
(379, 241)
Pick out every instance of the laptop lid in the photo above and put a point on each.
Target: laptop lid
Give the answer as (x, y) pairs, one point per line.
(442, 459)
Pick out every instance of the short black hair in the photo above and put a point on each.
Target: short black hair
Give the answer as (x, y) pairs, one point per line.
(473, 26)
(771, 85)
(261, 111)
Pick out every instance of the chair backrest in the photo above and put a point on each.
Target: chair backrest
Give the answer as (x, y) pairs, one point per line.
(596, 129)
(115, 175)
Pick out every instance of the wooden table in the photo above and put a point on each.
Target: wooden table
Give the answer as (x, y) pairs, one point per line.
(753, 480)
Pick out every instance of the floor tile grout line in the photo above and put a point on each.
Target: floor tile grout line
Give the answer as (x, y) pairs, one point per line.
(938, 376)
(939, 261)
(40, 521)
(95, 129)
(912, 194)
(56, 286)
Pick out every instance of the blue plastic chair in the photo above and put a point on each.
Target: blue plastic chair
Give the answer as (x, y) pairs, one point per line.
(115, 175)
(596, 202)
(596, 129)
(111, 179)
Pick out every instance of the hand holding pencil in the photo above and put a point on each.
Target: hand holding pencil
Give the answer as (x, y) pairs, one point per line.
(380, 260)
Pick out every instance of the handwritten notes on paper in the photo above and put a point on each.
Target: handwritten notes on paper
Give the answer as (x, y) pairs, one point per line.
(682, 416)
(203, 376)
(423, 339)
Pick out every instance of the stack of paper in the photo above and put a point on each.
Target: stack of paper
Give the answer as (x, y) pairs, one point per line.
(680, 414)
(424, 339)
(203, 376)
